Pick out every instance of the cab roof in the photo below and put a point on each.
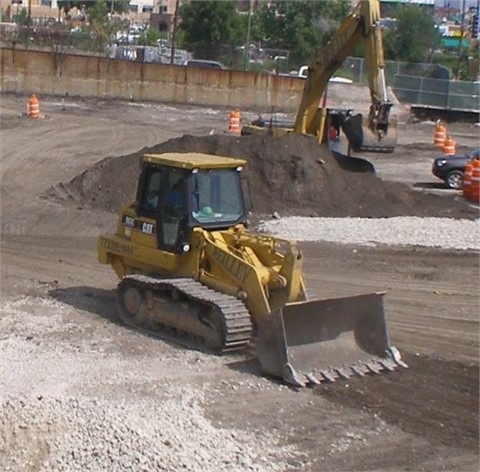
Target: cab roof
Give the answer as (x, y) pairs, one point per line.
(193, 160)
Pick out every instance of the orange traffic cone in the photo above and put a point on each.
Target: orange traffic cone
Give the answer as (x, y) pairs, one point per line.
(474, 193)
(33, 107)
(467, 180)
(449, 146)
(440, 135)
(234, 125)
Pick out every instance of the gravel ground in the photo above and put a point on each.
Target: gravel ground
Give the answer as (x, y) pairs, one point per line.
(85, 434)
(405, 231)
(57, 418)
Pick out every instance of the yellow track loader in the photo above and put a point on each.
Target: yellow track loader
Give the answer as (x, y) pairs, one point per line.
(192, 273)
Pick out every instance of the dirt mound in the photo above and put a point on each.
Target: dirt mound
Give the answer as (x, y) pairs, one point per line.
(292, 175)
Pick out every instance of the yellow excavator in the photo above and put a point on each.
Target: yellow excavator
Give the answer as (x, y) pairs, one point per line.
(192, 273)
(376, 132)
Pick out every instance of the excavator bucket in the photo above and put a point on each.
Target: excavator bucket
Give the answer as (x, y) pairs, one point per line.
(362, 139)
(310, 342)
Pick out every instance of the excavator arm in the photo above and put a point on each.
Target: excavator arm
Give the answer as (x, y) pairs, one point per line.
(376, 132)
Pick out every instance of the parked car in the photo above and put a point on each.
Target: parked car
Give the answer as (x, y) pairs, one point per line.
(206, 64)
(303, 71)
(451, 168)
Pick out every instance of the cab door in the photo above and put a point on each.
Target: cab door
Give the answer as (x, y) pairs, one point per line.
(145, 224)
(172, 215)
(162, 209)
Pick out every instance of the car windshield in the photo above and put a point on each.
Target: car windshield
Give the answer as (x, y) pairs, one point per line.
(474, 153)
(218, 196)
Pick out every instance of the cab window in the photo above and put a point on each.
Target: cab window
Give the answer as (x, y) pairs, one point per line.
(149, 200)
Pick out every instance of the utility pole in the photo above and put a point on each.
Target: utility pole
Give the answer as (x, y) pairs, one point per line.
(174, 33)
(460, 43)
(246, 65)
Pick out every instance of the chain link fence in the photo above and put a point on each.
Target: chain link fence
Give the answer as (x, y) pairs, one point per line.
(416, 84)
(445, 94)
(419, 84)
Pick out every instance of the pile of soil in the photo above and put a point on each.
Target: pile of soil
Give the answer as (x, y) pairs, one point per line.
(291, 175)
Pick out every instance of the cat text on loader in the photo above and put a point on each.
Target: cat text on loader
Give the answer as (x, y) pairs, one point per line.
(192, 273)
(376, 132)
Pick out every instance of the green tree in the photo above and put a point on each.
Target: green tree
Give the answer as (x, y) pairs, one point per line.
(67, 5)
(206, 25)
(101, 26)
(149, 37)
(302, 27)
(118, 6)
(415, 37)
(22, 18)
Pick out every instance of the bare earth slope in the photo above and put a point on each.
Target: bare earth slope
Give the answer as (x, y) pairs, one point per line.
(291, 175)
(78, 390)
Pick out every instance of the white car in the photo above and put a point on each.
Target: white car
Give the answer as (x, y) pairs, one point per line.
(303, 71)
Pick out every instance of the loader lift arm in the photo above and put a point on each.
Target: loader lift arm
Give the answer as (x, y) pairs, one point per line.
(251, 268)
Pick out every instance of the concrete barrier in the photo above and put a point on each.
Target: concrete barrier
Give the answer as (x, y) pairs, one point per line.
(58, 73)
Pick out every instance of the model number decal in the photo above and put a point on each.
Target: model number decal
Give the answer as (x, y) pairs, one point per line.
(140, 225)
(129, 221)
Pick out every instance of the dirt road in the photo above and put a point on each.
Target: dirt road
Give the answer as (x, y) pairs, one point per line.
(60, 339)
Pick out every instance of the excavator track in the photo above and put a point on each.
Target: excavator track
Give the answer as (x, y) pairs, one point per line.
(184, 312)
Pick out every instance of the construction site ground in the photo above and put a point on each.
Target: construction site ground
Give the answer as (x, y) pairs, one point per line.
(59, 335)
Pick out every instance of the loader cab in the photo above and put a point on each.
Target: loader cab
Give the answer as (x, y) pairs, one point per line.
(179, 199)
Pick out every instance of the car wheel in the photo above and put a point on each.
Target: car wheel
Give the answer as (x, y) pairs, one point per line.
(454, 179)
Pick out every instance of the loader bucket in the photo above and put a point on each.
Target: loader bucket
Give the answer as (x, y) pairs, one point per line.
(362, 139)
(313, 341)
